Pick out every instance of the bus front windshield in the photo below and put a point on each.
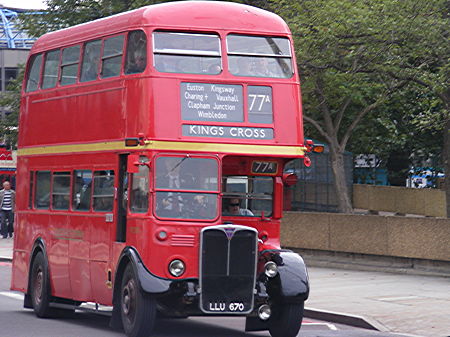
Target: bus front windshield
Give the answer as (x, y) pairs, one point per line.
(186, 187)
(249, 196)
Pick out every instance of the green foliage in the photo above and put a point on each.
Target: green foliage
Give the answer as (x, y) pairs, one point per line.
(11, 101)
(65, 13)
(354, 52)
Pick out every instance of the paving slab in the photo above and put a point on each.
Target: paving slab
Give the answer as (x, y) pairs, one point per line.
(411, 304)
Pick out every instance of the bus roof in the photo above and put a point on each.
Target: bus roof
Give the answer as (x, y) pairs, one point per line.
(182, 15)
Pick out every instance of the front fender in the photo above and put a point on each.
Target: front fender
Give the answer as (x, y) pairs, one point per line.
(292, 282)
(148, 282)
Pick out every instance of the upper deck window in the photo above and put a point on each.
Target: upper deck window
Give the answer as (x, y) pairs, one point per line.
(50, 75)
(69, 65)
(34, 72)
(91, 59)
(259, 56)
(136, 60)
(187, 53)
(112, 56)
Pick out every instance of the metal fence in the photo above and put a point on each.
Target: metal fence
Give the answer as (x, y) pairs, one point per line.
(315, 189)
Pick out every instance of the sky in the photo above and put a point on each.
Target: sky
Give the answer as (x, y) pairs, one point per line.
(28, 4)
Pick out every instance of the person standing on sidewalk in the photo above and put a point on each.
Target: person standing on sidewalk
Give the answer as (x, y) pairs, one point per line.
(7, 203)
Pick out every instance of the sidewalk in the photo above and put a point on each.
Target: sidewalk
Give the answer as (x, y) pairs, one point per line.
(6, 248)
(403, 303)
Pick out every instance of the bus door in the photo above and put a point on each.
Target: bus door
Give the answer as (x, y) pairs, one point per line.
(109, 226)
(137, 194)
(102, 231)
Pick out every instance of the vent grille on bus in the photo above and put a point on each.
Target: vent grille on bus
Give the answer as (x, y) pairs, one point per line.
(228, 269)
(182, 240)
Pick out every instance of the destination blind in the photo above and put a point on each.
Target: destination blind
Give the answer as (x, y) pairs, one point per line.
(212, 102)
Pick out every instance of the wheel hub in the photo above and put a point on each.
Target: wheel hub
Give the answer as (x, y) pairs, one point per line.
(129, 298)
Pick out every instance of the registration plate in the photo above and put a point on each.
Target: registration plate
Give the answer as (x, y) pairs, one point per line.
(226, 307)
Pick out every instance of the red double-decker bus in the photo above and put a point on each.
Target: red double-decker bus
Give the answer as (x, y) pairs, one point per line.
(150, 168)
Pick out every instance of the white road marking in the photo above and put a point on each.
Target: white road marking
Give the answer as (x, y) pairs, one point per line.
(328, 325)
(10, 294)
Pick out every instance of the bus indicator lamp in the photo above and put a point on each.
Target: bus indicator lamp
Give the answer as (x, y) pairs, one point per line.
(263, 236)
(318, 148)
(311, 147)
(307, 161)
(162, 235)
(176, 268)
(131, 141)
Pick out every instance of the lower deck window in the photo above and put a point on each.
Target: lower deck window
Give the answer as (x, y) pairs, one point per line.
(61, 190)
(42, 194)
(103, 197)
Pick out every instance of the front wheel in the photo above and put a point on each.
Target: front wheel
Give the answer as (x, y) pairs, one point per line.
(40, 287)
(287, 320)
(137, 308)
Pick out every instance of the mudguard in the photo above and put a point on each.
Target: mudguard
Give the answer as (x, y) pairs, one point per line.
(149, 282)
(292, 282)
(39, 245)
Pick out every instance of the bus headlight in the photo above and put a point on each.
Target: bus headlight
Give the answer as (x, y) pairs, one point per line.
(176, 268)
(271, 269)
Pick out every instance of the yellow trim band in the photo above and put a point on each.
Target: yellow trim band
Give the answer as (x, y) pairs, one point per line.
(277, 150)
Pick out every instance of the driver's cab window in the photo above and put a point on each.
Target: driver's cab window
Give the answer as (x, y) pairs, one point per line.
(140, 190)
(247, 196)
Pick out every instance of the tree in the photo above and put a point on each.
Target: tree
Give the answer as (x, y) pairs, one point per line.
(350, 54)
(11, 101)
(60, 13)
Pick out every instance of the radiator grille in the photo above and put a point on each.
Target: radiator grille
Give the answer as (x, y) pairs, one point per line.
(228, 268)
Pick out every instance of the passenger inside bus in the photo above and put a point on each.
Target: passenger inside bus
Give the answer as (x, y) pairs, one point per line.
(262, 67)
(233, 207)
(138, 62)
(167, 63)
(170, 178)
(244, 67)
(136, 52)
(214, 69)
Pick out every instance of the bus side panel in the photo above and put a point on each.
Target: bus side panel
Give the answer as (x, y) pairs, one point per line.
(58, 238)
(97, 112)
(79, 257)
(21, 253)
(22, 230)
(100, 246)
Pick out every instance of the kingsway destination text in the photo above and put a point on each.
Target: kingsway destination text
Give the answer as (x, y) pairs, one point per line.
(207, 101)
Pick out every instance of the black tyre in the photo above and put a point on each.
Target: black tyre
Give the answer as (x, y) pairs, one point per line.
(286, 320)
(40, 287)
(137, 308)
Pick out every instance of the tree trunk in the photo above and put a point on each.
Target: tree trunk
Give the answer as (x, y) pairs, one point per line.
(340, 181)
(446, 157)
